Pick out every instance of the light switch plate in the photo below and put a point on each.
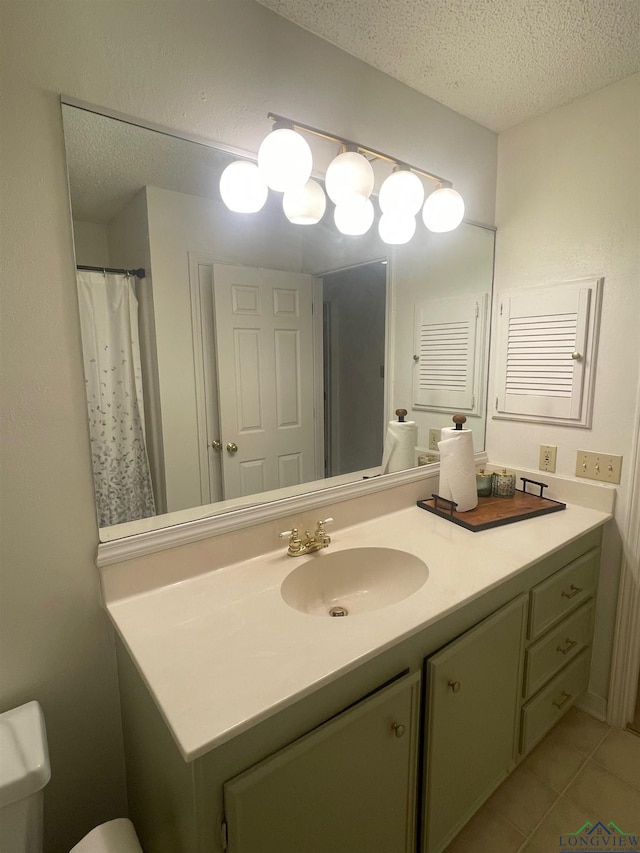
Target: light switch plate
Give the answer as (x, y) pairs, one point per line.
(434, 438)
(548, 453)
(606, 467)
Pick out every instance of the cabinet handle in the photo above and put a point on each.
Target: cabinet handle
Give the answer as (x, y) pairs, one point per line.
(398, 729)
(563, 701)
(573, 590)
(570, 644)
(455, 686)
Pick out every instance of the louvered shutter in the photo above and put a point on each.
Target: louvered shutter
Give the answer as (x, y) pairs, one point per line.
(545, 352)
(446, 343)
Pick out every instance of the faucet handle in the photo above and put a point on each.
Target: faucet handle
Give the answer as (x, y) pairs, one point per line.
(296, 546)
(293, 532)
(321, 534)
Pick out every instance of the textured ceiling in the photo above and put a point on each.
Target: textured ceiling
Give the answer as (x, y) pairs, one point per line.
(499, 62)
(110, 161)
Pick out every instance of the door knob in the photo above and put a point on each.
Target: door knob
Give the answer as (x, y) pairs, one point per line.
(398, 729)
(216, 445)
(232, 447)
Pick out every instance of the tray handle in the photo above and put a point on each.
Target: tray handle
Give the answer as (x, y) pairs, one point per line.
(525, 480)
(448, 505)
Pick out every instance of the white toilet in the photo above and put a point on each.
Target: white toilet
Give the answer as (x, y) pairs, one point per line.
(115, 836)
(24, 772)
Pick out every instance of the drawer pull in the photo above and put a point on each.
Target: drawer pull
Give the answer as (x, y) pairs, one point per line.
(563, 701)
(570, 645)
(573, 590)
(455, 686)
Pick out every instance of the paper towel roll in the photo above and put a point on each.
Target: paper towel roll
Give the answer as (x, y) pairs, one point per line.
(457, 468)
(399, 446)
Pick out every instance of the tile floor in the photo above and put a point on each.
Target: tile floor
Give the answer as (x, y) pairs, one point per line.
(582, 771)
(634, 725)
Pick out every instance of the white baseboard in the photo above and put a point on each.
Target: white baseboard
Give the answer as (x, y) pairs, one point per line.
(594, 705)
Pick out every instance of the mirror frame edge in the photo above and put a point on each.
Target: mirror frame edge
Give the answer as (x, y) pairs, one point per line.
(182, 533)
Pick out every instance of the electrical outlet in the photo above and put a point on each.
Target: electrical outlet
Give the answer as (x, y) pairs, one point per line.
(547, 458)
(434, 438)
(606, 467)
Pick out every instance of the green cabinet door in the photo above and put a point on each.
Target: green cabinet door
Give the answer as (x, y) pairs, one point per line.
(348, 786)
(473, 688)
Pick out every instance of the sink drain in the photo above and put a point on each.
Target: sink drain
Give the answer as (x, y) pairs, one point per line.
(338, 611)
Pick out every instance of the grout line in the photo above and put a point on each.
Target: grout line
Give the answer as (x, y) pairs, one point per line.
(587, 757)
(613, 772)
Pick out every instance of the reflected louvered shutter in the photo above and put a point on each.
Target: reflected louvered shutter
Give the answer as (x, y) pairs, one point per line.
(446, 338)
(543, 358)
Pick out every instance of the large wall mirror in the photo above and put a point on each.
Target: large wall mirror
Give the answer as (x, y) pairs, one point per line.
(258, 359)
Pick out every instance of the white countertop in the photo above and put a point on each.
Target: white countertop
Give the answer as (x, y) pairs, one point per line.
(222, 651)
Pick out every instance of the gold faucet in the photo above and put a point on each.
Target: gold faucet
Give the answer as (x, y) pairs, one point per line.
(298, 547)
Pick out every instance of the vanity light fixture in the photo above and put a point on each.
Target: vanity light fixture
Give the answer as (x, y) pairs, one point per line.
(396, 230)
(285, 162)
(402, 193)
(443, 210)
(354, 215)
(349, 174)
(306, 205)
(284, 158)
(242, 187)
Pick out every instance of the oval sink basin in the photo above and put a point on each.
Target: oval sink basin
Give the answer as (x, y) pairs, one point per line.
(357, 580)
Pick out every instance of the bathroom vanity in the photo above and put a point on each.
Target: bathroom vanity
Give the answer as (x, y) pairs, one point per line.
(252, 724)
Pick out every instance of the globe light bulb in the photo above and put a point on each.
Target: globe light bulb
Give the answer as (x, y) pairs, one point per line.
(396, 230)
(242, 187)
(354, 216)
(349, 174)
(285, 159)
(305, 206)
(402, 193)
(443, 210)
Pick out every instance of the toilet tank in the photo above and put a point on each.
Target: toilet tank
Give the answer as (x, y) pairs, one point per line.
(24, 771)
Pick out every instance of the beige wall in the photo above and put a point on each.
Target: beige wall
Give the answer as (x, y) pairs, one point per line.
(91, 243)
(213, 69)
(568, 207)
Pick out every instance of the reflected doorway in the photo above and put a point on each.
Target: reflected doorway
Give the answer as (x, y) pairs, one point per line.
(354, 309)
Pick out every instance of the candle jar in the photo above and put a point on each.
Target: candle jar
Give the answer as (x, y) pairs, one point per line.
(484, 483)
(503, 484)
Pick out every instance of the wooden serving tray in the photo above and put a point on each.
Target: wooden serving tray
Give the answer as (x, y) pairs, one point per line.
(495, 511)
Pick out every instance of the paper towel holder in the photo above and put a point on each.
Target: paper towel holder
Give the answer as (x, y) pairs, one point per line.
(402, 413)
(459, 420)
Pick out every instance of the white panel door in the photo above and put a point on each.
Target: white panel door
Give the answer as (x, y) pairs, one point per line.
(264, 342)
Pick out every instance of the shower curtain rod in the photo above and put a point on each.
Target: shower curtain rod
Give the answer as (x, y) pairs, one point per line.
(139, 273)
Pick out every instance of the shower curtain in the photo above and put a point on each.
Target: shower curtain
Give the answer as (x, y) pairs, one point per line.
(113, 377)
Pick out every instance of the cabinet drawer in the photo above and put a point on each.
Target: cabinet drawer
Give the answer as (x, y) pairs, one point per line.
(547, 706)
(562, 593)
(557, 647)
